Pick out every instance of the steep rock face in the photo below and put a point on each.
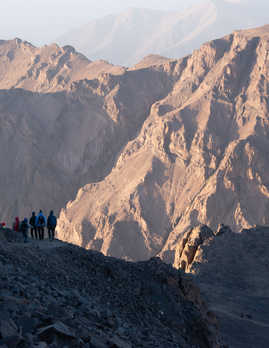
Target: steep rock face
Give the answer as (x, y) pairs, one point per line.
(189, 249)
(200, 157)
(189, 246)
(56, 138)
(231, 270)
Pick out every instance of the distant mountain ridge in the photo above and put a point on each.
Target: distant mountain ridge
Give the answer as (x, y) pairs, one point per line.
(125, 38)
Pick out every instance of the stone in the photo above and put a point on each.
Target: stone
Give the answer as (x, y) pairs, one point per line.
(188, 249)
(114, 314)
(58, 328)
(222, 229)
(230, 270)
(8, 328)
(11, 341)
(27, 324)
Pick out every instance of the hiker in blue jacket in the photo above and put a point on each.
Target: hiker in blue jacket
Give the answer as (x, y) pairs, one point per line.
(24, 227)
(51, 225)
(40, 224)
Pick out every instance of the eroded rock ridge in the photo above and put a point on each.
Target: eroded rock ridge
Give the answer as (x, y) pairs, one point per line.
(200, 157)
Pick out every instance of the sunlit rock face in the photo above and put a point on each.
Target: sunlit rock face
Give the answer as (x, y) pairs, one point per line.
(201, 156)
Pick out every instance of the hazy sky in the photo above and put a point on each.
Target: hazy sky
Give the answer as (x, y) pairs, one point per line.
(41, 21)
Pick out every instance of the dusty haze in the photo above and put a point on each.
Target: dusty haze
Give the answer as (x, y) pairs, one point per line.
(42, 21)
(126, 37)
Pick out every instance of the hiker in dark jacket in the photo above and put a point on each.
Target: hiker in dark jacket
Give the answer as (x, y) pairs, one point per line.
(40, 224)
(24, 227)
(51, 225)
(32, 223)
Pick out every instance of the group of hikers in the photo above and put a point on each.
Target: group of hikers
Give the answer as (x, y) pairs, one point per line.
(37, 224)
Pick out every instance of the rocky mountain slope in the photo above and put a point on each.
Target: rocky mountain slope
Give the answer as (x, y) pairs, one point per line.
(46, 69)
(231, 270)
(127, 37)
(58, 295)
(63, 121)
(201, 156)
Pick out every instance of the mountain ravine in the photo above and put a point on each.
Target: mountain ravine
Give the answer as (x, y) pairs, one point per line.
(200, 155)
(64, 120)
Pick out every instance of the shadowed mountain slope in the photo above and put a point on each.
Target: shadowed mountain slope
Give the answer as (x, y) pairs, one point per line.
(55, 138)
(58, 295)
(232, 272)
(200, 157)
(127, 37)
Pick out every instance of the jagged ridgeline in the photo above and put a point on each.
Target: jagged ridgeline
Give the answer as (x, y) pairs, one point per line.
(161, 147)
(200, 156)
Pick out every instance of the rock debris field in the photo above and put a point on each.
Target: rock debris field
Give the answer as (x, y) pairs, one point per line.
(60, 295)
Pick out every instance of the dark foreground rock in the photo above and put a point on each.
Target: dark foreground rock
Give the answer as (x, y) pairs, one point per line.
(58, 295)
(232, 272)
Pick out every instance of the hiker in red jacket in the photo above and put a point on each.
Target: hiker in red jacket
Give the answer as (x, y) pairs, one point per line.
(16, 224)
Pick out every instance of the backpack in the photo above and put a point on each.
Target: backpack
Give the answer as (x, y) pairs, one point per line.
(52, 222)
(41, 220)
(24, 226)
(32, 221)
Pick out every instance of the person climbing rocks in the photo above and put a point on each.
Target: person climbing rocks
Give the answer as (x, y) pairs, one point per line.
(51, 225)
(16, 224)
(32, 223)
(40, 224)
(24, 227)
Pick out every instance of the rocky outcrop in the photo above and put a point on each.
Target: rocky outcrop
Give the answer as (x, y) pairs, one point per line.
(231, 270)
(200, 157)
(190, 245)
(53, 294)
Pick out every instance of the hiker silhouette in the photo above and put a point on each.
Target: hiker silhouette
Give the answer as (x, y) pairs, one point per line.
(40, 224)
(33, 226)
(51, 225)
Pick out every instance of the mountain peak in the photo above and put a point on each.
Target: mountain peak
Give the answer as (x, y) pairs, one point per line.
(151, 60)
